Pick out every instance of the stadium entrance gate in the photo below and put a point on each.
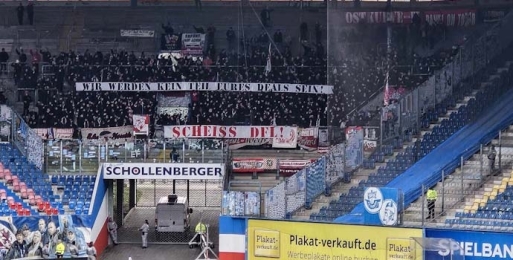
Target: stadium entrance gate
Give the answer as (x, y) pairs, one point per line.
(135, 198)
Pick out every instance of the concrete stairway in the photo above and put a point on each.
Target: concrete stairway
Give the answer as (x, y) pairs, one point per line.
(72, 30)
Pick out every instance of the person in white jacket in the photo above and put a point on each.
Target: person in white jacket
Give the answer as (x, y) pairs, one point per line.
(144, 233)
(91, 251)
(112, 226)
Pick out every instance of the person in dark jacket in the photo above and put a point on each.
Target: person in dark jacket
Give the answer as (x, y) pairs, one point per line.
(19, 248)
(265, 16)
(174, 155)
(19, 11)
(30, 13)
(4, 57)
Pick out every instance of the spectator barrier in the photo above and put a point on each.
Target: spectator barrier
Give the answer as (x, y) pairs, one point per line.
(78, 156)
(27, 141)
(5, 124)
(62, 154)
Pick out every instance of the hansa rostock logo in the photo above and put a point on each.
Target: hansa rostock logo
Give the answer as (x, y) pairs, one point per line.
(373, 199)
(267, 243)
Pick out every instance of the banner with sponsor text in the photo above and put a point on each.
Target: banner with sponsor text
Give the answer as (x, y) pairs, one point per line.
(193, 44)
(108, 134)
(450, 243)
(141, 124)
(203, 86)
(177, 171)
(250, 165)
(54, 133)
(450, 18)
(138, 33)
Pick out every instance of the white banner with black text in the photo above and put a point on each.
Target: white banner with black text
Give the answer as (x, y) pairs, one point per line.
(138, 33)
(203, 86)
(54, 133)
(193, 44)
(119, 134)
(163, 171)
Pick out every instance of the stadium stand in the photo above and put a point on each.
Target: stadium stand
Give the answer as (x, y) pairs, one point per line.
(233, 108)
(490, 211)
(438, 124)
(256, 108)
(483, 129)
(26, 191)
(466, 104)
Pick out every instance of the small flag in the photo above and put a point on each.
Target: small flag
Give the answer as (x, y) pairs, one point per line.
(386, 97)
(268, 66)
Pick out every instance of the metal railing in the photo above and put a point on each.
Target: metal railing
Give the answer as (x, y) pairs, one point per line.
(301, 189)
(464, 189)
(76, 156)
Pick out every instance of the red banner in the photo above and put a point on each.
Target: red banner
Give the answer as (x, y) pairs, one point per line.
(290, 167)
(228, 132)
(308, 138)
(446, 17)
(250, 165)
(379, 17)
(393, 93)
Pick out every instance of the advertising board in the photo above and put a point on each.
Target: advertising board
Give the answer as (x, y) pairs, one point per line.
(178, 171)
(470, 245)
(300, 240)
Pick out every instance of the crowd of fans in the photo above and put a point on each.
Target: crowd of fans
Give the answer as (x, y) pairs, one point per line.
(369, 63)
(356, 75)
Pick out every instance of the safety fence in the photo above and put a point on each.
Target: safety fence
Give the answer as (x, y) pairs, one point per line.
(13, 129)
(462, 188)
(301, 189)
(77, 156)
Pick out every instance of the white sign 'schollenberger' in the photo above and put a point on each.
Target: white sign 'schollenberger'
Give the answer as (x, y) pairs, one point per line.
(163, 171)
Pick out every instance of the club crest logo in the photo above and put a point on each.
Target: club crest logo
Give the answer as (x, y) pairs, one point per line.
(372, 200)
(388, 213)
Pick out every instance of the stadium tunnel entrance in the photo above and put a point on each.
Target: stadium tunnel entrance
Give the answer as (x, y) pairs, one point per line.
(138, 189)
